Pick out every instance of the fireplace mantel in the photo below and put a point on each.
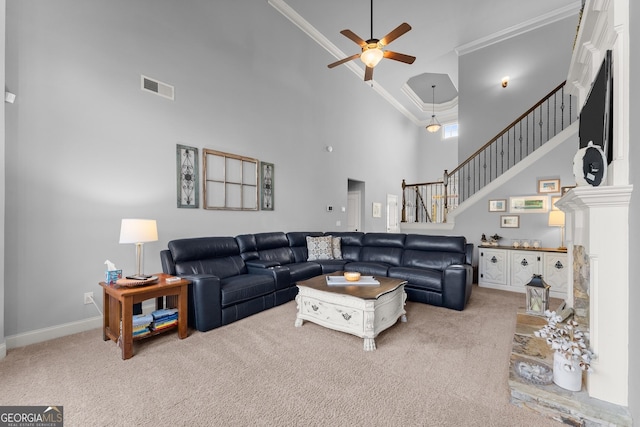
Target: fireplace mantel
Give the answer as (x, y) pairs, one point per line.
(597, 218)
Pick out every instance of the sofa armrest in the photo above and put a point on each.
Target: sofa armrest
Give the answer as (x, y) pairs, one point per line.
(456, 286)
(281, 275)
(261, 263)
(205, 306)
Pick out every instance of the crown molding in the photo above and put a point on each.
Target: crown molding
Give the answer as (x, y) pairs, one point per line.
(516, 30)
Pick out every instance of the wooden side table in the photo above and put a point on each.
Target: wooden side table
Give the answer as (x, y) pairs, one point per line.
(118, 301)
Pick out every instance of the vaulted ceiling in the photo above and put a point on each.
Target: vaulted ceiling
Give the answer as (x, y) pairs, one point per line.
(441, 32)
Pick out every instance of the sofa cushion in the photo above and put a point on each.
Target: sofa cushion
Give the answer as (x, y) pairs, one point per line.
(433, 260)
(303, 270)
(219, 256)
(244, 287)
(298, 244)
(418, 277)
(350, 243)
(319, 247)
(390, 240)
(436, 243)
(336, 247)
(386, 255)
(368, 268)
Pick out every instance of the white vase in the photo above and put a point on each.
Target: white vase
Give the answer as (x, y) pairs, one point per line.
(569, 380)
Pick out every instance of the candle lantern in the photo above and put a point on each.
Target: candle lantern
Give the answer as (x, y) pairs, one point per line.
(537, 295)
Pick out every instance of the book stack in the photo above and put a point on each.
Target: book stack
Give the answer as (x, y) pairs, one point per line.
(164, 318)
(142, 324)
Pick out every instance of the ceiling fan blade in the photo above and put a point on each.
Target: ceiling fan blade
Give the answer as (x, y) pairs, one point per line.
(368, 74)
(342, 61)
(351, 35)
(400, 30)
(399, 56)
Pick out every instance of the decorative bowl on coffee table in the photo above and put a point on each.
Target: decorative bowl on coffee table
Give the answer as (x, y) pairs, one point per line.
(352, 276)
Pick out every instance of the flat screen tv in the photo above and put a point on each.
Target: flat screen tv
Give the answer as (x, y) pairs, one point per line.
(596, 116)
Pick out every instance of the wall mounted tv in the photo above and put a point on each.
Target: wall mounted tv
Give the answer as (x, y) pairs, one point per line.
(596, 116)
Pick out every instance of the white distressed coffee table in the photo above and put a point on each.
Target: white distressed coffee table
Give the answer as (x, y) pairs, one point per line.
(364, 311)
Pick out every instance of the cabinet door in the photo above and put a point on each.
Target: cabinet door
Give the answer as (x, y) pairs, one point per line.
(524, 264)
(555, 271)
(493, 266)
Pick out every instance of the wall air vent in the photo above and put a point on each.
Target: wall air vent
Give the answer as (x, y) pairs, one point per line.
(156, 86)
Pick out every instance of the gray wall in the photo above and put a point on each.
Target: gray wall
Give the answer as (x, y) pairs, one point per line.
(634, 212)
(2, 176)
(88, 147)
(435, 155)
(485, 107)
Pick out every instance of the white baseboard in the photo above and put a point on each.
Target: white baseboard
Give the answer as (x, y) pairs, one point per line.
(49, 333)
(45, 334)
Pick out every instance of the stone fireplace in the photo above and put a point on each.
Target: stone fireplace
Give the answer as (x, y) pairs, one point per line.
(581, 286)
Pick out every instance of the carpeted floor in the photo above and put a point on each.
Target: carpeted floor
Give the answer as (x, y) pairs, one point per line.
(441, 368)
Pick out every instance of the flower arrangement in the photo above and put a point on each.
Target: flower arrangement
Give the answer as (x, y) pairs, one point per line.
(567, 340)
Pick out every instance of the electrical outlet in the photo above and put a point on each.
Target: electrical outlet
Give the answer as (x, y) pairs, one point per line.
(88, 296)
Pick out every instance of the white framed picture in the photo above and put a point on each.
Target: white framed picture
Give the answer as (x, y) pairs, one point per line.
(529, 204)
(376, 210)
(509, 221)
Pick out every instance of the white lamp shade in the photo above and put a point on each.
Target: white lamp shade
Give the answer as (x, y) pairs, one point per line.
(556, 218)
(138, 231)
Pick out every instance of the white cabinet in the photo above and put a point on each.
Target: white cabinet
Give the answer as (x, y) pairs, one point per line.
(493, 267)
(511, 269)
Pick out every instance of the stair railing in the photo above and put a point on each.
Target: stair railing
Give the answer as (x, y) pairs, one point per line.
(547, 118)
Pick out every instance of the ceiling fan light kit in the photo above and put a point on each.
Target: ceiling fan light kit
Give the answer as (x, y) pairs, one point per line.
(372, 52)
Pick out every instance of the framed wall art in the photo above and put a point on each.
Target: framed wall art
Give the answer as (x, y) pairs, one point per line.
(376, 210)
(529, 204)
(548, 186)
(187, 177)
(266, 186)
(499, 205)
(509, 221)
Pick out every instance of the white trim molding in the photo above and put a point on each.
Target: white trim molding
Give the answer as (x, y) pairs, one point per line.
(516, 30)
(599, 221)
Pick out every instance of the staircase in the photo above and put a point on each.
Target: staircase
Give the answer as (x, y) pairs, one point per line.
(497, 160)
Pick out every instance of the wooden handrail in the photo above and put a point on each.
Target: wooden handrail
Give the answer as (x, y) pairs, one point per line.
(506, 129)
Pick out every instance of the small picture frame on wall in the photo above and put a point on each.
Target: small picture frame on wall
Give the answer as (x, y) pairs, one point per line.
(553, 203)
(509, 221)
(499, 205)
(548, 186)
(565, 190)
(376, 210)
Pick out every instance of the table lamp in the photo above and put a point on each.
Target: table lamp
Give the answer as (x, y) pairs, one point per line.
(556, 219)
(138, 231)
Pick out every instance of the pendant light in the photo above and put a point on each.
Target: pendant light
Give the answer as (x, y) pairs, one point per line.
(434, 124)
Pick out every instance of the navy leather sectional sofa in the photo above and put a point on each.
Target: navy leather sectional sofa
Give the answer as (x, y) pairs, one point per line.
(235, 277)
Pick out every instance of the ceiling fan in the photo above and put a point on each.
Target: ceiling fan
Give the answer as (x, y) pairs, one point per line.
(372, 51)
